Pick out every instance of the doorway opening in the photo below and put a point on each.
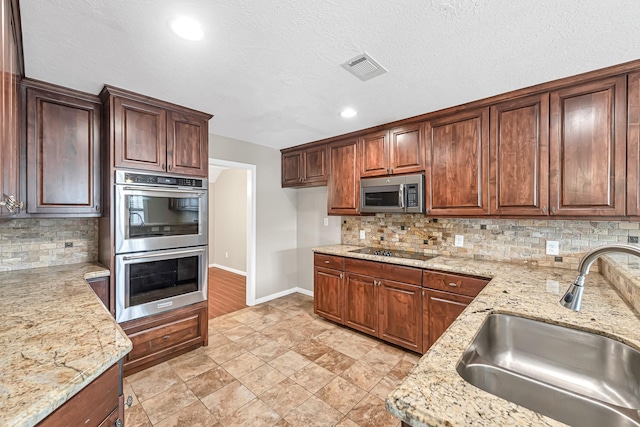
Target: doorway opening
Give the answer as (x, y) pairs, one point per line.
(232, 236)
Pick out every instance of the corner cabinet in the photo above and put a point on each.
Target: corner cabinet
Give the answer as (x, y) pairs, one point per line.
(344, 178)
(63, 151)
(153, 135)
(306, 167)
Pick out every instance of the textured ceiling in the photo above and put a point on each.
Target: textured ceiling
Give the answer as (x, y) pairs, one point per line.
(270, 70)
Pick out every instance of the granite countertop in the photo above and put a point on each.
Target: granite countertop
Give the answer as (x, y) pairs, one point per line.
(433, 394)
(55, 338)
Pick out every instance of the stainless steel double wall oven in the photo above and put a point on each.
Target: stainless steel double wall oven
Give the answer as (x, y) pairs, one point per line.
(160, 243)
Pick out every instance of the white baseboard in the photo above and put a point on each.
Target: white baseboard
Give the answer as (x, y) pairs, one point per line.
(282, 294)
(229, 269)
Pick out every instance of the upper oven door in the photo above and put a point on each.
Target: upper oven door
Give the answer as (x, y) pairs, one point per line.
(150, 218)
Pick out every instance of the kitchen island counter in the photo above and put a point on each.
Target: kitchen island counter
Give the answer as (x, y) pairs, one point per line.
(56, 337)
(434, 394)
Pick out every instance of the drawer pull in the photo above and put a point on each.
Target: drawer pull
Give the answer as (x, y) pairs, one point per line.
(129, 401)
(453, 285)
(166, 337)
(327, 262)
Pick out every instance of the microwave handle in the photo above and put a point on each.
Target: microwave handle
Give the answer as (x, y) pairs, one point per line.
(166, 190)
(155, 254)
(401, 195)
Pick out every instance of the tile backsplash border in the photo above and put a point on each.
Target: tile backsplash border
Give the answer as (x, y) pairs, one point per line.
(31, 243)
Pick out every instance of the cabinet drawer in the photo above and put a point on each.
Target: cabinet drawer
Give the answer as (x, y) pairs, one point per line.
(328, 261)
(382, 270)
(165, 336)
(462, 285)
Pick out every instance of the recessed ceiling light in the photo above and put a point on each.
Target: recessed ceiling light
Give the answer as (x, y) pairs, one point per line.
(348, 112)
(187, 28)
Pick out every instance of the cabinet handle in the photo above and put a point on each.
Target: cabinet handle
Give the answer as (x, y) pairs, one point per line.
(423, 293)
(453, 285)
(118, 423)
(162, 166)
(327, 262)
(341, 275)
(97, 207)
(170, 167)
(12, 204)
(129, 401)
(166, 337)
(544, 210)
(553, 209)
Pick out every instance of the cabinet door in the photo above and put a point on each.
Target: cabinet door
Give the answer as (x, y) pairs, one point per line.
(407, 149)
(63, 153)
(633, 146)
(292, 169)
(316, 170)
(374, 154)
(344, 178)
(187, 144)
(439, 310)
(361, 303)
(400, 312)
(519, 151)
(328, 294)
(10, 72)
(457, 178)
(587, 149)
(140, 135)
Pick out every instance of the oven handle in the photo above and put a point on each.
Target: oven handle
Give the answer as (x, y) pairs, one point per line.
(165, 190)
(162, 254)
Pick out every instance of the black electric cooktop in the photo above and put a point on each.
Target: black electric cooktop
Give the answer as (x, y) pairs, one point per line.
(393, 253)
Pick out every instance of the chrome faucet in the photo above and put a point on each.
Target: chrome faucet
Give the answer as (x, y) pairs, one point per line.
(573, 297)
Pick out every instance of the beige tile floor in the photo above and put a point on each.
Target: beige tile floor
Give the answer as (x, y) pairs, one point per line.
(275, 364)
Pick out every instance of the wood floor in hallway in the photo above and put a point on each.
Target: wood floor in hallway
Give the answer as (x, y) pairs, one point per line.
(227, 292)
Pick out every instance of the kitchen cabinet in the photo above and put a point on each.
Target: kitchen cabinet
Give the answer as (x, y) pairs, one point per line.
(98, 404)
(393, 151)
(328, 289)
(12, 69)
(633, 145)
(164, 336)
(153, 135)
(457, 176)
(587, 142)
(305, 168)
(400, 313)
(344, 178)
(63, 151)
(519, 156)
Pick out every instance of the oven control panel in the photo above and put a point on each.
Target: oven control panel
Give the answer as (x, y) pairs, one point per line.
(171, 181)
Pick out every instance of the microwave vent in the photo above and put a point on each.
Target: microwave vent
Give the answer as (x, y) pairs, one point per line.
(364, 67)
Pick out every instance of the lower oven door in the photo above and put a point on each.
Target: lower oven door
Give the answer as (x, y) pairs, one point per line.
(153, 282)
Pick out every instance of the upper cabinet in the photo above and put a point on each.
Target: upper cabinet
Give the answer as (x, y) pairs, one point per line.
(10, 120)
(588, 148)
(398, 150)
(344, 178)
(519, 156)
(633, 145)
(63, 150)
(152, 135)
(306, 167)
(457, 178)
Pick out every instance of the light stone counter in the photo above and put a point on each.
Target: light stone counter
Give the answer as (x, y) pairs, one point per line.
(433, 394)
(55, 338)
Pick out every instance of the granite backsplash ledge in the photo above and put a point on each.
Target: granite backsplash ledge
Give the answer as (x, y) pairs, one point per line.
(31, 243)
(509, 240)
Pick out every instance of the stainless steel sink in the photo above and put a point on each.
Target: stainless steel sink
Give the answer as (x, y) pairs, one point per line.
(572, 376)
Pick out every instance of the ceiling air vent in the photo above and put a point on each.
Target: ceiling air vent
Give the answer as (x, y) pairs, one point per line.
(364, 67)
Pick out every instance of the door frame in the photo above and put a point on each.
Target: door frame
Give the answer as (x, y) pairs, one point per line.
(251, 222)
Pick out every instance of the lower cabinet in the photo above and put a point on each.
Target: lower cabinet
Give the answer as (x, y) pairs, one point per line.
(99, 404)
(439, 310)
(100, 286)
(400, 314)
(161, 337)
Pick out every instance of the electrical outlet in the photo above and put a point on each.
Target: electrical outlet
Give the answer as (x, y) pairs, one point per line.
(326, 222)
(68, 244)
(553, 247)
(459, 241)
(226, 254)
(362, 234)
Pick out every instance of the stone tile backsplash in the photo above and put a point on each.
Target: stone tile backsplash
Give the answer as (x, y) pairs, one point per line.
(511, 240)
(30, 243)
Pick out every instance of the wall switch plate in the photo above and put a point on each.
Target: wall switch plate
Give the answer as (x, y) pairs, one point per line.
(459, 240)
(326, 222)
(553, 247)
(362, 234)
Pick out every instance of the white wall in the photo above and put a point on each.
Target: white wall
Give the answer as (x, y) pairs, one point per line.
(212, 220)
(230, 220)
(276, 253)
(312, 210)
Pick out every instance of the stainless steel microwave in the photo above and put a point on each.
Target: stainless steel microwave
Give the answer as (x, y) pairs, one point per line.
(393, 194)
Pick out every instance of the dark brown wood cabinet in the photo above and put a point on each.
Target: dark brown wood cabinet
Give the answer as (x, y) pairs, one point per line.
(393, 151)
(344, 178)
(519, 156)
(457, 176)
(63, 150)
(164, 336)
(153, 135)
(439, 311)
(587, 141)
(633, 145)
(400, 314)
(328, 289)
(100, 286)
(305, 168)
(12, 71)
(98, 404)
(361, 303)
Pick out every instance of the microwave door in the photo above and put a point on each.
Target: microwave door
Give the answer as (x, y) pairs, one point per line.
(381, 199)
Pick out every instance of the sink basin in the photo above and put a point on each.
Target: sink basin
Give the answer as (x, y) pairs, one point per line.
(576, 377)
